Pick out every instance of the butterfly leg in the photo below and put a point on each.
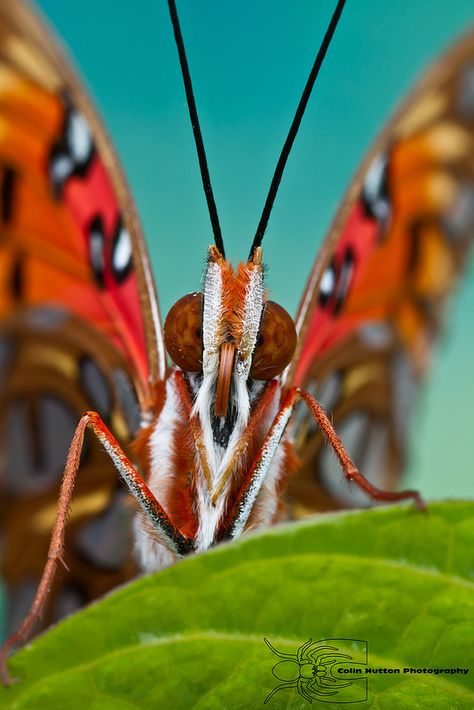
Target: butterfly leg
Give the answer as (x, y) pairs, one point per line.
(237, 518)
(349, 469)
(167, 532)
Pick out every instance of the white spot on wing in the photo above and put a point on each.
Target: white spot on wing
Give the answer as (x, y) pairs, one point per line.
(61, 168)
(373, 188)
(123, 251)
(328, 281)
(79, 137)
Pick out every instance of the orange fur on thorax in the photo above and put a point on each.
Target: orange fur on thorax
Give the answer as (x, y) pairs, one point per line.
(234, 289)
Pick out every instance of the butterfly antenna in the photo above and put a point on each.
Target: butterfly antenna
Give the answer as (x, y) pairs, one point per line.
(188, 87)
(277, 175)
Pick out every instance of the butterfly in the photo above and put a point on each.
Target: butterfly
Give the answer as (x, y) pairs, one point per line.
(226, 435)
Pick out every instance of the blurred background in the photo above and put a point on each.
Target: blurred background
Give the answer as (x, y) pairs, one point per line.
(249, 62)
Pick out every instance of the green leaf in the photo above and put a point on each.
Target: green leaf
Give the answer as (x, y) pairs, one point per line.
(192, 635)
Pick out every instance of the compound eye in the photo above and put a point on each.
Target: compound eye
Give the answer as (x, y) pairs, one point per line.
(183, 332)
(276, 343)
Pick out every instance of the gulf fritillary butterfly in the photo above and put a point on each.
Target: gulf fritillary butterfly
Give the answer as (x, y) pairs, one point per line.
(216, 436)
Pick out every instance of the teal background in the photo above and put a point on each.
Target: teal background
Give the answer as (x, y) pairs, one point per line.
(249, 62)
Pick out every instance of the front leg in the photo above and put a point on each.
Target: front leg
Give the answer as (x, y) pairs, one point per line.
(349, 469)
(167, 533)
(239, 513)
(237, 518)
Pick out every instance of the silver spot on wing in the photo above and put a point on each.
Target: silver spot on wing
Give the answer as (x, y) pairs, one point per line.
(106, 540)
(465, 99)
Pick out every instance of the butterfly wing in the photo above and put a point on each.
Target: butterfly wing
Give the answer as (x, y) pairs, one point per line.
(79, 327)
(375, 299)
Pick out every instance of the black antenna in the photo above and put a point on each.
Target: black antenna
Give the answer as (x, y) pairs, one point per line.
(188, 87)
(262, 225)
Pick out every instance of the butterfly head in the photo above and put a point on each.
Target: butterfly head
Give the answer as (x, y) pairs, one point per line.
(230, 333)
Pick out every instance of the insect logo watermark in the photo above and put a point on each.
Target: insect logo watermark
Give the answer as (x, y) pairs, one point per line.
(328, 671)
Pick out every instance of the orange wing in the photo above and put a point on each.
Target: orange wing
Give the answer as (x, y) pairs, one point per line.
(79, 319)
(375, 299)
(69, 230)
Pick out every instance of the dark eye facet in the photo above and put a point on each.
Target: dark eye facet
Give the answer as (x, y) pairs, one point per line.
(182, 331)
(276, 343)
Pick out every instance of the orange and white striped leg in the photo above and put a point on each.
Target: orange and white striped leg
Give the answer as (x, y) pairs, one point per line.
(236, 520)
(167, 533)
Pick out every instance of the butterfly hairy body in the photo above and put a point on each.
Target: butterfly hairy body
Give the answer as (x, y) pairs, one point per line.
(213, 421)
